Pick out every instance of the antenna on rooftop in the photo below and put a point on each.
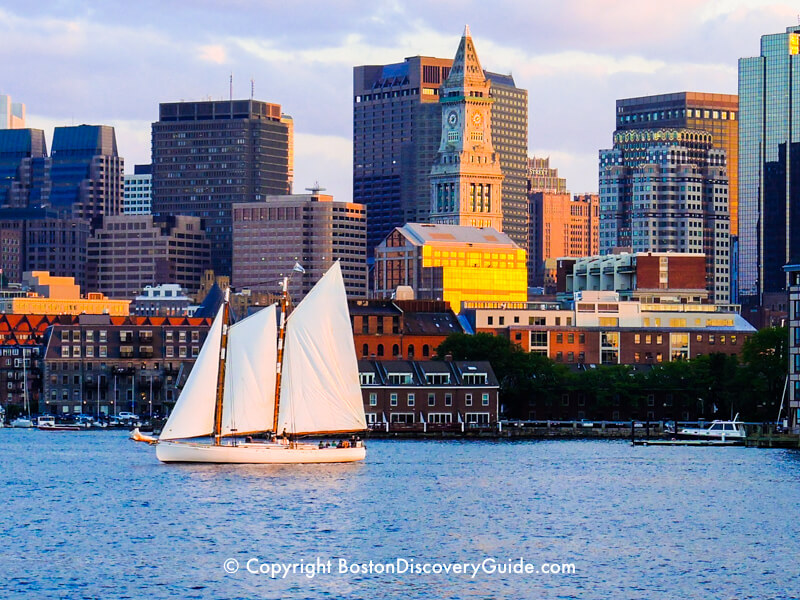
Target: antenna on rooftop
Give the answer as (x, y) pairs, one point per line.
(316, 188)
(252, 88)
(231, 87)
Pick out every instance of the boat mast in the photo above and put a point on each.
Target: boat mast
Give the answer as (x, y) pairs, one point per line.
(281, 337)
(223, 351)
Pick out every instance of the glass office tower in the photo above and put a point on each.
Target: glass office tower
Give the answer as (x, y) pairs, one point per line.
(769, 165)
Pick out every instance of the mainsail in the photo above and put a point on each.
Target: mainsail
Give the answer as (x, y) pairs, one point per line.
(249, 399)
(320, 390)
(193, 415)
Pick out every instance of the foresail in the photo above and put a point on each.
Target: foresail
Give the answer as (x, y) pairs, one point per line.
(193, 415)
(320, 390)
(249, 401)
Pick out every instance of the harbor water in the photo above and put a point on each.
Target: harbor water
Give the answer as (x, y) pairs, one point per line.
(92, 515)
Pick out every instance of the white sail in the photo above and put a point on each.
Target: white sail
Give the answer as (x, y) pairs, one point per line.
(320, 390)
(193, 415)
(249, 401)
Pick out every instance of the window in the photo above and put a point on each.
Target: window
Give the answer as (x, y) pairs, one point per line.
(380, 349)
(437, 378)
(426, 350)
(485, 399)
(468, 399)
(431, 399)
(367, 378)
(373, 399)
(448, 399)
(475, 378)
(365, 350)
(393, 399)
(411, 400)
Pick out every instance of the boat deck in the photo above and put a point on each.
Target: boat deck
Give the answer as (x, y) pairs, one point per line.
(688, 442)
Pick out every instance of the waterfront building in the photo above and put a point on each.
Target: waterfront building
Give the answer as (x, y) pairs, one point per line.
(311, 229)
(128, 252)
(769, 166)
(163, 300)
(453, 263)
(432, 394)
(560, 226)
(668, 277)
(103, 365)
(601, 328)
(716, 114)
(398, 329)
(666, 190)
(22, 339)
(209, 155)
(45, 294)
(12, 114)
(397, 131)
(137, 195)
(466, 176)
(542, 178)
(793, 271)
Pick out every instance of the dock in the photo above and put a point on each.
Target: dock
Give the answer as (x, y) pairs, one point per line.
(773, 440)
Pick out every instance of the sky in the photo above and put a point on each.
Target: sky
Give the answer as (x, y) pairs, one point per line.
(111, 62)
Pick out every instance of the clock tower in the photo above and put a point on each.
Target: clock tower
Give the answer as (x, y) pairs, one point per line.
(466, 176)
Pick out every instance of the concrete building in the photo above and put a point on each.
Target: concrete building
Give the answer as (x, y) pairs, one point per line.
(57, 244)
(542, 178)
(163, 300)
(666, 190)
(137, 195)
(466, 177)
(397, 329)
(12, 114)
(207, 156)
(793, 272)
(769, 166)
(668, 277)
(453, 263)
(716, 114)
(311, 229)
(45, 294)
(128, 252)
(601, 328)
(397, 130)
(103, 365)
(431, 395)
(560, 226)
(24, 168)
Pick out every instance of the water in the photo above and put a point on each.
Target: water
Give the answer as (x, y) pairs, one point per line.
(92, 515)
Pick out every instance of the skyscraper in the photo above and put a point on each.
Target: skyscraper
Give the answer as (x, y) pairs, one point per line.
(769, 165)
(209, 155)
(311, 229)
(137, 196)
(666, 190)
(397, 128)
(87, 172)
(466, 176)
(542, 178)
(12, 114)
(715, 113)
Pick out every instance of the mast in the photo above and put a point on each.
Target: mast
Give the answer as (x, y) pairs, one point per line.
(281, 338)
(223, 348)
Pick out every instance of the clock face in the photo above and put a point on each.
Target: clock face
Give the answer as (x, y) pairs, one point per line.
(452, 118)
(477, 119)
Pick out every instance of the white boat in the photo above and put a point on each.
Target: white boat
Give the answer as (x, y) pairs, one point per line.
(718, 430)
(48, 423)
(291, 376)
(22, 422)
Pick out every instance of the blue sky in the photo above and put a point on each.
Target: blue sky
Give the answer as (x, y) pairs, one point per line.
(112, 62)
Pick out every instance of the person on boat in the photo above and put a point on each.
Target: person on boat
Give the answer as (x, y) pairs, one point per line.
(321, 444)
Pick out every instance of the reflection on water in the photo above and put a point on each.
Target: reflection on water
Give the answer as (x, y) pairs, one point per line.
(92, 515)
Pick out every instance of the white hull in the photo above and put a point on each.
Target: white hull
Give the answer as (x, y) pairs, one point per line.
(255, 454)
(22, 423)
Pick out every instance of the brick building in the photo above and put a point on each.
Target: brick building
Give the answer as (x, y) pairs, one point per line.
(431, 394)
(98, 364)
(22, 337)
(397, 329)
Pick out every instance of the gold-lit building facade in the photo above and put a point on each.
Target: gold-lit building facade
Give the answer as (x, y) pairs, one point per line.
(451, 263)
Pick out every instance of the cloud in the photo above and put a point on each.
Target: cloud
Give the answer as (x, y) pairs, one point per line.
(213, 53)
(327, 160)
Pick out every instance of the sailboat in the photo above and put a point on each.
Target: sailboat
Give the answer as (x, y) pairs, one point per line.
(287, 376)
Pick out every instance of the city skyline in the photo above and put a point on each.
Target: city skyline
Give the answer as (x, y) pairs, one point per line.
(114, 64)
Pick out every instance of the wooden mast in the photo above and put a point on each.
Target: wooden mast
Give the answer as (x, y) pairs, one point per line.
(279, 363)
(223, 352)
(281, 338)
